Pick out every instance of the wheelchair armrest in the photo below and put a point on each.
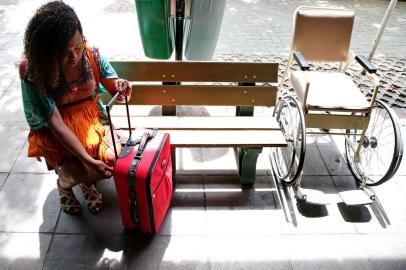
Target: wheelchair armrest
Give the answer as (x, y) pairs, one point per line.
(363, 61)
(303, 64)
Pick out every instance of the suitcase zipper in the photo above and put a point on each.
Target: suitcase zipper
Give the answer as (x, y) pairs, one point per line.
(148, 185)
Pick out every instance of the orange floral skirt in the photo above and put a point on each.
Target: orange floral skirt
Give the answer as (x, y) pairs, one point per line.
(84, 119)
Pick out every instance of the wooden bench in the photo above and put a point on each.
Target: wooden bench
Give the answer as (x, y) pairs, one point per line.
(191, 83)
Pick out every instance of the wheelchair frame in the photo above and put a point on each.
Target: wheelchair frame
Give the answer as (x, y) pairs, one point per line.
(352, 124)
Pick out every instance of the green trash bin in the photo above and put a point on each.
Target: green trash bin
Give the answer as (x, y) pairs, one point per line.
(156, 27)
(203, 25)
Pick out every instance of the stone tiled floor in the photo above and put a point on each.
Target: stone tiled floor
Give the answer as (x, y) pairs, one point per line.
(212, 223)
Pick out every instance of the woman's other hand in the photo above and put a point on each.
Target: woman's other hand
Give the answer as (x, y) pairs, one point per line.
(100, 168)
(124, 87)
(69, 140)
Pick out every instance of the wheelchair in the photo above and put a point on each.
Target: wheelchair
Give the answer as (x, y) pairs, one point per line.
(326, 102)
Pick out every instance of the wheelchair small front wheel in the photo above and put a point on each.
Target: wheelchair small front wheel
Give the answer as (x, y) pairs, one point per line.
(287, 162)
(381, 150)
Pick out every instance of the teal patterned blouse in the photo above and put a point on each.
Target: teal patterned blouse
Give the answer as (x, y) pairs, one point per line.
(38, 108)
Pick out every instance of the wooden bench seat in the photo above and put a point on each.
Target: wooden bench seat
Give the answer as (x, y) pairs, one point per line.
(207, 84)
(212, 131)
(198, 122)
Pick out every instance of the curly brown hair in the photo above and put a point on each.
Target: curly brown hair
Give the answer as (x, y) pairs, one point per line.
(45, 42)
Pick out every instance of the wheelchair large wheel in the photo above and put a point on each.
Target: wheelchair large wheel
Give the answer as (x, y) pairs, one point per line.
(287, 162)
(382, 150)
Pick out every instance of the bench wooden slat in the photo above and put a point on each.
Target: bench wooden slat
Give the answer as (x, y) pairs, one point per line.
(225, 138)
(230, 138)
(203, 95)
(196, 71)
(199, 123)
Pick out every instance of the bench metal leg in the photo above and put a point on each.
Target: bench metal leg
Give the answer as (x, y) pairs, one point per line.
(247, 164)
(247, 157)
(168, 110)
(244, 111)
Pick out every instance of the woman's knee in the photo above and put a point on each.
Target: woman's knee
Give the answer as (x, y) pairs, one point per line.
(110, 156)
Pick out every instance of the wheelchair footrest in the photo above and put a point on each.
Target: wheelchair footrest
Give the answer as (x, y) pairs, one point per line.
(310, 196)
(355, 197)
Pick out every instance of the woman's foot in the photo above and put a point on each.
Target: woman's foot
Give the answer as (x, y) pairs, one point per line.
(69, 203)
(93, 198)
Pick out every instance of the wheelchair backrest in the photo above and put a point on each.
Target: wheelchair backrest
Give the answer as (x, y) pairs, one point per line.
(323, 35)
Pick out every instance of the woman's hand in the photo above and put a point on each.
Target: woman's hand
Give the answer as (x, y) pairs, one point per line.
(124, 87)
(69, 140)
(100, 168)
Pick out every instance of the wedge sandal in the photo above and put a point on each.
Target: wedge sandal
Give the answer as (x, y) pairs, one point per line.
(93, 198)
(69, 203)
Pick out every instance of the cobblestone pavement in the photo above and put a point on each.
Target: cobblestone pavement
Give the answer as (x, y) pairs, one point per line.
(264, 27)
(391, 71)
(212, 223)
(250, 28)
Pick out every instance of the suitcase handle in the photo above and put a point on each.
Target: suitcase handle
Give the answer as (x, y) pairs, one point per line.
(141, 147)
(109, 106)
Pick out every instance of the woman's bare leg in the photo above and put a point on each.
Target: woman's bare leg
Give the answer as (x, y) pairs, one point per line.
(73, 172)
(109, 156)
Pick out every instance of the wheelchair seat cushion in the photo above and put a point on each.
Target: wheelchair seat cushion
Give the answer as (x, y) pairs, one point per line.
(329, 91)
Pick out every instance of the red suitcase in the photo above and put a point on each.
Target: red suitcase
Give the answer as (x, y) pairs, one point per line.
(143, 178)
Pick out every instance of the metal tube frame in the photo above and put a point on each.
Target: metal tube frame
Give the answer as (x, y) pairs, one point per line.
(342, 67)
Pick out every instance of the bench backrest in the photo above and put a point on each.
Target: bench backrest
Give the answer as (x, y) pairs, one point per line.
(197, 79)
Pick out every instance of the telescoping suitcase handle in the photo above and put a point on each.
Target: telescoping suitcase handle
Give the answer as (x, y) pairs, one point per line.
(109, 107)
(142, 141)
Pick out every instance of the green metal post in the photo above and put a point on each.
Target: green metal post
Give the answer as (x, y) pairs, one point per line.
(180, 16)
(247, 164)
(246, 157)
